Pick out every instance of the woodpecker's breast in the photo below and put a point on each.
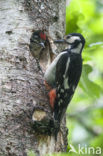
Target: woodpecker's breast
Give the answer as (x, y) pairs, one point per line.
(50, 74)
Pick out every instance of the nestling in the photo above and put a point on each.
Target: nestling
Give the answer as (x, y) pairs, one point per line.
(37, 45)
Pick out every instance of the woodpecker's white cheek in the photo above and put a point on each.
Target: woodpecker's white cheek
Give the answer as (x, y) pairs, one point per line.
(72, 39)
(78, 49)
(68, 46)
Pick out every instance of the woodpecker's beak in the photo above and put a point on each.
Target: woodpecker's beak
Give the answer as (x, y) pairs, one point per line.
(42, 44)
(61, 41)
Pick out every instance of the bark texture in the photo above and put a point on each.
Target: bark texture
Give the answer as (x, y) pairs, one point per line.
(21, 84)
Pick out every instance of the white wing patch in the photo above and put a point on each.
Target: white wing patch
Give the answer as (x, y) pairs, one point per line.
(66, 86)
(67, 66)
(51, 70)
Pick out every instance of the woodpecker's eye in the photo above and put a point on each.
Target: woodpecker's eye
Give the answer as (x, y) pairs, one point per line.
(73, 39)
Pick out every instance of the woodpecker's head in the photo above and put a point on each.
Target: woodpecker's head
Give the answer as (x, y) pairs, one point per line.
(37, 42)
(74, 41)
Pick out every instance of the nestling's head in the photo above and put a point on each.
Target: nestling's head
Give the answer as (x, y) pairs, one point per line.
(38, 37)
(75, 42)
(37, 42)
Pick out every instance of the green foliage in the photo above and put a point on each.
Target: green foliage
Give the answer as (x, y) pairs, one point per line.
(89, 87)
(30, 153)
(85, 121)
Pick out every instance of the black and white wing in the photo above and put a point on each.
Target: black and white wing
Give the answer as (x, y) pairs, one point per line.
(68, 72)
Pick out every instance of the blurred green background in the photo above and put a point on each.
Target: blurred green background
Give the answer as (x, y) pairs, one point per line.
(85, 112)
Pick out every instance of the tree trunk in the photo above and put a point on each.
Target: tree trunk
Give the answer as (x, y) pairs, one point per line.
(22, 91)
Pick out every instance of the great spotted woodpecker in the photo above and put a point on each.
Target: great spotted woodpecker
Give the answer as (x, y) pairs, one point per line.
(37, 45)
(63, 74)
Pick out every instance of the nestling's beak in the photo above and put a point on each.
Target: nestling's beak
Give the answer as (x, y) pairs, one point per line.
(42, 44)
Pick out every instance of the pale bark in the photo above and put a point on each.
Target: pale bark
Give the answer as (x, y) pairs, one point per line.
(21, 85)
